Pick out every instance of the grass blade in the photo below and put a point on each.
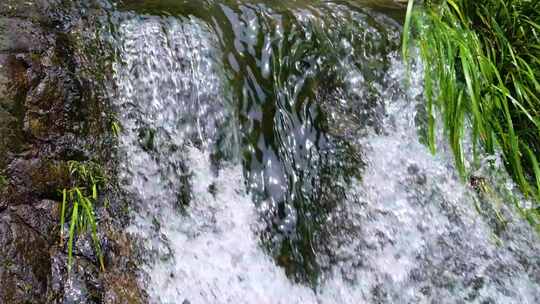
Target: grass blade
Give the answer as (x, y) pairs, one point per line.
(74, 217)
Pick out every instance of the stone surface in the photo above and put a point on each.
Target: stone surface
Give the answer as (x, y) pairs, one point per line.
(21, 35)
(13, 80)
(121, 288)
(9, 135)
(13, 84)
(36, 178)
(41, 217)
(35, 10)
(24, 262)
(51, 113)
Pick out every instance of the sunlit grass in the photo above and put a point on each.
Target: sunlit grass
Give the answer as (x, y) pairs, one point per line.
(482, 65)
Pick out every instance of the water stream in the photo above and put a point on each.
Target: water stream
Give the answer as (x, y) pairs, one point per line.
(272, 152)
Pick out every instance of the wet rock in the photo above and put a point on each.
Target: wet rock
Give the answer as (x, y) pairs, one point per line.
(81, 285)
(13, 80)
(13, 83)
(36, 177)
(86, 283)
(55, 286)
(34, 10)
(10, 138)
(42, 218)
(50, 113)
(24, 262)
(51, 104)
(121, 288)
(20, 35)
(49, 93)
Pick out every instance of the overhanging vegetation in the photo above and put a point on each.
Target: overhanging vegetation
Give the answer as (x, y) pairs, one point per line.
(482, 68)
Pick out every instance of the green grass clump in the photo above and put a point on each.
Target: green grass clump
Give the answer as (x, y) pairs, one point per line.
(79, 200)
(482, 68)
(116, 128)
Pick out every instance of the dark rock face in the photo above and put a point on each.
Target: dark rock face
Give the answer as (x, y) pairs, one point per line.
(12, 81)
(24, 261)
(50, 113)
(34, 10)
(21, 35)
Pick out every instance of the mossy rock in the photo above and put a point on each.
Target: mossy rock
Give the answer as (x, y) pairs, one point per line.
(41, 178)
(10, 137)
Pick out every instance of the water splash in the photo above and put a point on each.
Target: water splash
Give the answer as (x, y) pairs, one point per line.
(401, 227)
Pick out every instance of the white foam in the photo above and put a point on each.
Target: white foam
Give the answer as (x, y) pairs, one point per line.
(400, 217)
(217, 257)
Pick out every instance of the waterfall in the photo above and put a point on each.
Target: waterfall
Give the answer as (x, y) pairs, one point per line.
(273, 154)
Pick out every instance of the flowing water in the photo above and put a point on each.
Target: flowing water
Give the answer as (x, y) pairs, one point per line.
(272, 153)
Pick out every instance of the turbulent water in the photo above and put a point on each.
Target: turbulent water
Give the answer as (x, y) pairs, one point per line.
(272, 154)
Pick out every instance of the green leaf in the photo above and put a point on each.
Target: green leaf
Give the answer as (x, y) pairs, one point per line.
(74, 217)
(406, 30)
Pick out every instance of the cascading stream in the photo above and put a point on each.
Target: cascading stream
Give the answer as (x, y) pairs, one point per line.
(272, 154)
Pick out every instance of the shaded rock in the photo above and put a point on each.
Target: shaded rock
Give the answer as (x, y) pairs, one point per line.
(41, 217)
(19, 35)
(24, 262)
(13, 84)
(36, 177)
(13, 80)
(48, 94)
(10, 136)
(86, 283)
(35, 10)
(53, 106)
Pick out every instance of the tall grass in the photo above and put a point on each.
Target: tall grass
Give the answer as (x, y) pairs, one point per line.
(80, 200)
(482, 68)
